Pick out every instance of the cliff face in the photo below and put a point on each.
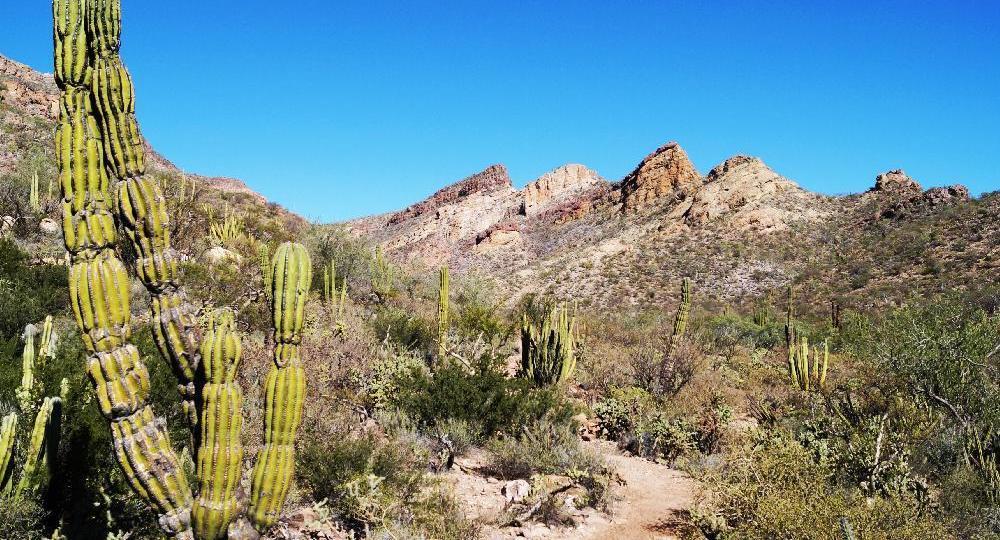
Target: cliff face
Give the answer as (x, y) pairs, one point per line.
(667, 172)
(557, 187)
(493, 178)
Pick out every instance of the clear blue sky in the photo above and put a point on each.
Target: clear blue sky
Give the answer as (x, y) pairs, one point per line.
(337, 110)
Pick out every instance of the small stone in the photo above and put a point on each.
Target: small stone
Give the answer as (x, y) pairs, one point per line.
(515, 491)
(49, 226)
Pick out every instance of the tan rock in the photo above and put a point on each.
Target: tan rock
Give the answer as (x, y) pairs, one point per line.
(667, 172)
(558, 187)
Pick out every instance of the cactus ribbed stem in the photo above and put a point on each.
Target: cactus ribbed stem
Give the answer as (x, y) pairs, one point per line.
(442, 331)
(264, 260)
(46, 349)
(34, 201)
(26, 391)
(547, 354)
(141, 207)
(99, 285)
(43, 441)
(284, 389)
(683, 310)
(826, 363)
(220, 456)
(8, 432)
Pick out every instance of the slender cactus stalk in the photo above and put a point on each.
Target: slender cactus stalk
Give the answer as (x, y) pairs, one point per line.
(8, 432)
(43, 442)
(33, 199)
(442, 331)
(826, 363)
(26, 391)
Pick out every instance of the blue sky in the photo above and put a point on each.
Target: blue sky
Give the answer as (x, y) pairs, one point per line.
(343, 109)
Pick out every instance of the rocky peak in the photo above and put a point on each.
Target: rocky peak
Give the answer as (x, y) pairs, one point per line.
(667, 172)
(896, 182)
(556, 187)
(750, 195)
(490, 179)
(27, 89)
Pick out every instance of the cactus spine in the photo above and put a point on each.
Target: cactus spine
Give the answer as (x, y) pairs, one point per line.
(285, 385)
(547, 354)
(442, 330)
(98, 281)
(220, 455)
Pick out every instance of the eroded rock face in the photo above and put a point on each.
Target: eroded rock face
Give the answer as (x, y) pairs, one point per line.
(667, 172)
(896, 182)
(558, 187)
(749, 195)
(493, 178)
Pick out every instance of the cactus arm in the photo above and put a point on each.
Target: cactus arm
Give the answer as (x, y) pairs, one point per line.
(804, 364)
(43, 441)
(826, 362)
(220, 455)
(284, 388)
(99, 284)
(25, 392)
(141, 207)
(8, 432)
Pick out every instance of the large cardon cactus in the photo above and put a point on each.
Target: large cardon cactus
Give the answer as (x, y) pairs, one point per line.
(100, 150)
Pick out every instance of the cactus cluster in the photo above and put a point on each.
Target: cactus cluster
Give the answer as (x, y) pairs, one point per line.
(442, 318)
(98, 143)
(335, 297)
(547, 353)
(43, 439)
(808, 376)
(382, 275)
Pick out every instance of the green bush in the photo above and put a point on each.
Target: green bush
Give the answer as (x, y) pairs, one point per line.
(405, 328)
(28, 292)
(543, 447)
(618, 413)
(483, 397)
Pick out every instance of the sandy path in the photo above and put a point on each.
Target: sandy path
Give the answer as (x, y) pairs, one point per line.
(650, 500)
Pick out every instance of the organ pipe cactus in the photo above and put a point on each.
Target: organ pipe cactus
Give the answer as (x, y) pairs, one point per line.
(47, 347)
(264, 260)
(547, 354)
(220, 456)
(804, 375)
(97, 140)
(8, 433)
(442, 330)
(683, 312)
(291, 273)
(26, 390)
(34, 201)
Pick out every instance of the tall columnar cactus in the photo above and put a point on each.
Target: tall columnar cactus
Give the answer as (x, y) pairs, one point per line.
(42, 443)
(329, 281)
(34, 201)
(284, 387)
(26, 390)
(141, 207)
(220, 456)
(8, 434)
(97, 135)
(808, 376)
(683, 312)
(382, 275)
(264, 260)
(99, 285)
(547, 354)
(47, 347)
(442, 330)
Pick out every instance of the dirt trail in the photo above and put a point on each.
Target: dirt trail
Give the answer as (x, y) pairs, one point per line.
(651, 500)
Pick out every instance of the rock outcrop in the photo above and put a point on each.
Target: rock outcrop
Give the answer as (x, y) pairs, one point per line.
(667, 172)
(493, 178)
(558, 187)
(896, 195)
(750, 196)
(897, 183)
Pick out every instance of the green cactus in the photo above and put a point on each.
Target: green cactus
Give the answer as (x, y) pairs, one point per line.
(285, 385)
(683, 313)
(92, 81)
(264, 261)
(220, 456)
(8, 433)
(26, 390)
(804, 375)
(33, 199)
(47, 347)
(42, 443)
(442, 330)
(97, 135)
(329, 281)
(547, 354)
(382, 275)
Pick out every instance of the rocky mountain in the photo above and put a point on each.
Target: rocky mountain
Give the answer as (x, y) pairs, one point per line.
(741, 231)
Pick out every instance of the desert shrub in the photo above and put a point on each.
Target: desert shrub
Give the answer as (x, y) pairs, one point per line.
(405, 328)
(772, 487)
(659, 437)
(380, 484)
(379, 383)
(618, 413)
(22, 518)
(542, 447)
(483, 397)
(28, 292)
(665, 373)
(727, 331)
